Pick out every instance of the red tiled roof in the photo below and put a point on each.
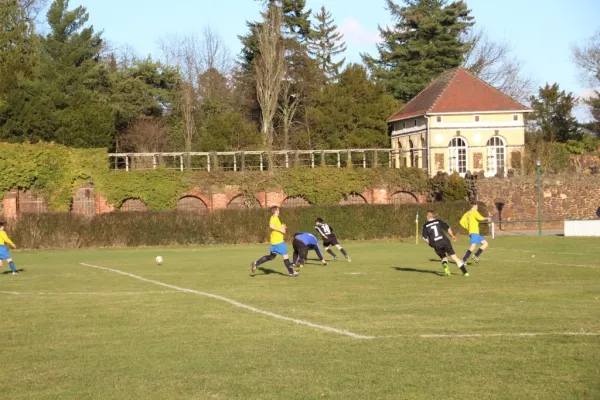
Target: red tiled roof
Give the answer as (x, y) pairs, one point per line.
(457, 90)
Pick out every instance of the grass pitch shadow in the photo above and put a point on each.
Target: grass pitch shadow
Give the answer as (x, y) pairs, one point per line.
(422, 271)
(10, 272)
(268, 271)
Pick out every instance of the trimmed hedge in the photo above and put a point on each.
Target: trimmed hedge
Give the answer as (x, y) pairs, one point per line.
(354, 222)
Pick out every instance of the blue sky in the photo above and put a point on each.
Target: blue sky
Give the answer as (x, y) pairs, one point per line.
(541, 31)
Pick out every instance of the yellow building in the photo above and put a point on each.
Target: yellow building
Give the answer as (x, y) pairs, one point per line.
(460, 123)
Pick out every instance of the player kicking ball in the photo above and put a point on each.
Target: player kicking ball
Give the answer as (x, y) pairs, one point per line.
(329, 239)
(4, 253)
(470, 221)
(278, 246)
(303, 242)
(433, 235)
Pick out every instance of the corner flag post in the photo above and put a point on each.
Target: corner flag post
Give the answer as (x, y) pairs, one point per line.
(417, 229)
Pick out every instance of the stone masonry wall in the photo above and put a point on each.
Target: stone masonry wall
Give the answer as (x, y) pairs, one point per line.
(563, 197)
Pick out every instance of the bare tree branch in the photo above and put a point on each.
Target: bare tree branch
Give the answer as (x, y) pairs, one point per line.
(587, 59)
(495, 63)
(269, 70)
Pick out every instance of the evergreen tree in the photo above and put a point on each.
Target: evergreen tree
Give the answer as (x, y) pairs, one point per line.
(296, 26)
(19, 53)
(552, 117)
(325, 44)
(424, 41)
(351, 113)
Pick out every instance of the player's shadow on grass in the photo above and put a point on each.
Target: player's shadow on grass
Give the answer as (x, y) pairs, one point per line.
(10, 272)
(268, 271)
(422, 271)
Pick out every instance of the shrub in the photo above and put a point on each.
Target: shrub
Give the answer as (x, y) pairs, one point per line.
(355, 222)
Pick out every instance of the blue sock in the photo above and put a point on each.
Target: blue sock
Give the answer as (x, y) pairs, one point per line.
(12, 266)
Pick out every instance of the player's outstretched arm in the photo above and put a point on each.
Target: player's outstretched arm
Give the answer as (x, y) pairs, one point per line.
(451, 234)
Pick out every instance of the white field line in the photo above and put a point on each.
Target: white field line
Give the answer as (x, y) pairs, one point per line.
(335, 330)
(237, 304)
(541, 252)
(549, 263)
(85, 293)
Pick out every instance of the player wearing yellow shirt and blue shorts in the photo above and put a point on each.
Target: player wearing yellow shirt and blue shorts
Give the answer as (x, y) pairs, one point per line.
(470, 221)
(278, 246)
(4, 253)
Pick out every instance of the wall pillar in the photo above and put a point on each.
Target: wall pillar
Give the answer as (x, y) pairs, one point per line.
(9, 205)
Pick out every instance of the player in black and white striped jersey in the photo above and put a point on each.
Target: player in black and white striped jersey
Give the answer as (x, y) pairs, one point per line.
(329, 239)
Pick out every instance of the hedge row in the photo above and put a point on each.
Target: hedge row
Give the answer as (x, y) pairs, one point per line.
(356, 222)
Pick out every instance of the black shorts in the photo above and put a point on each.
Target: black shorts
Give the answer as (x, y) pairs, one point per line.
(330, 241)
(300, 248)
(443, 249)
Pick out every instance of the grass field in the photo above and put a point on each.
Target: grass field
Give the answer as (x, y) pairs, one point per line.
(386, 326)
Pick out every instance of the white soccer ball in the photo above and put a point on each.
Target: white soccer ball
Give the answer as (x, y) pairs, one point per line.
(159, 260)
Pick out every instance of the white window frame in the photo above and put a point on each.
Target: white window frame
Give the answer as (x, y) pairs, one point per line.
(455, 156)
(494, 151)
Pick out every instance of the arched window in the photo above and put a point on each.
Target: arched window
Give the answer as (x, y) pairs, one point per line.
(457, 158)
(496, 155)
(403, 198)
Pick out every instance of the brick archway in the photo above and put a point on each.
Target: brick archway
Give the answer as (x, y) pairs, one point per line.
(133, 205)
(242, 202)
(352, 199)
(191, 204)
(403, 197)
(295, 201)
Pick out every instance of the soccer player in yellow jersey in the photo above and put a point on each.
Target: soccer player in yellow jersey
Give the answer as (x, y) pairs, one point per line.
(278, 247)
(470, 221)
(4, 253)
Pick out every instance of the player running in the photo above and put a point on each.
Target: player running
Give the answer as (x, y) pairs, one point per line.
(303, 242)
(433, 235)
(329, 239)
(278, 246)
(4, 253)
(470, 221)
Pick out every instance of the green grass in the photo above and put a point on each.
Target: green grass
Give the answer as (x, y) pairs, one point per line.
(76, 332)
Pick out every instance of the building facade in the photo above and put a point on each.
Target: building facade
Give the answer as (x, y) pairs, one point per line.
(457, 124)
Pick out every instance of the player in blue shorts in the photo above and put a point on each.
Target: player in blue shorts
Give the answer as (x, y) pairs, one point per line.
(470, 221)
(4, 253)
(278, 246)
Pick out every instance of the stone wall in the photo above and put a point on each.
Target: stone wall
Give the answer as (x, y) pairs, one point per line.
(563, 197)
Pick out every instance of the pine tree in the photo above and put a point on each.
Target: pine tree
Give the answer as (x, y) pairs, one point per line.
(552, 116)
(424, 41)
(19, 53)
(296, 27)
(325, 44)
